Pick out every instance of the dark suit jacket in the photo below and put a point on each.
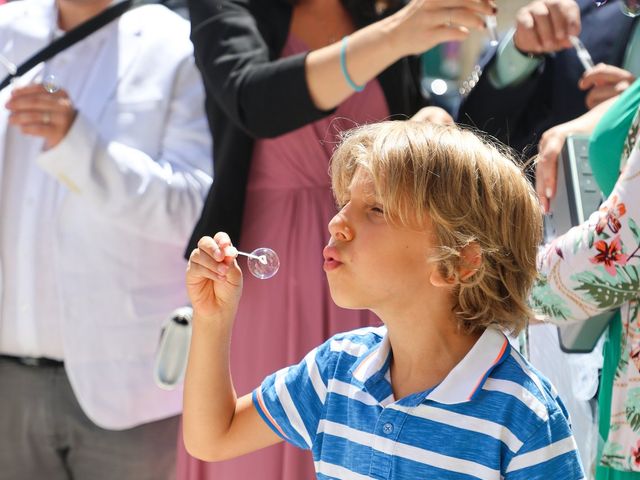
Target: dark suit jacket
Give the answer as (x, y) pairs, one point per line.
(252, 93)
(519, 115)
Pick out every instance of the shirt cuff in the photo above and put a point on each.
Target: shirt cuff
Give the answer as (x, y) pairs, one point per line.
(259, 404)
(511, 66)
(65, 161)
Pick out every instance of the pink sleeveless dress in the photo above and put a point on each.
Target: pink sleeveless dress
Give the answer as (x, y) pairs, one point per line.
(288, 207)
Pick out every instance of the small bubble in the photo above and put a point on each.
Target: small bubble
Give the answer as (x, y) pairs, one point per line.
(266, 264)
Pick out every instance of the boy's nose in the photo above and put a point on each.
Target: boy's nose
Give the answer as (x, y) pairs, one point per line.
(339, 229)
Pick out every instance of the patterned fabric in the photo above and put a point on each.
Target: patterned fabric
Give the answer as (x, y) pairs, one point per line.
(594, 268)
(492, 417)
(631, 140)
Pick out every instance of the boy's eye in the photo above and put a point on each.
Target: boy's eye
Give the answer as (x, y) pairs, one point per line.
(377, 209)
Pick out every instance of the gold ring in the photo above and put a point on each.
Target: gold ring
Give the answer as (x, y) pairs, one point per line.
(46, 118)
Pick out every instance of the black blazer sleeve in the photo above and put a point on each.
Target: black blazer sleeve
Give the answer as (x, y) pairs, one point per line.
(237, 46)
(503, 112)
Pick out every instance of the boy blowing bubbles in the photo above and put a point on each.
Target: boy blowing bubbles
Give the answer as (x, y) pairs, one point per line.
(437, 234)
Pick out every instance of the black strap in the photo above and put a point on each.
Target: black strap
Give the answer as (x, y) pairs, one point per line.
(71, 37)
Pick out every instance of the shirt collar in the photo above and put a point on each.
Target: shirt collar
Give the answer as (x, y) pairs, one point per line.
(467, 377)
(463, 382)
(374, 361)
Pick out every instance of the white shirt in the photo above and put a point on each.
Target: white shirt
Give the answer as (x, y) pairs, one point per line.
(30, 313)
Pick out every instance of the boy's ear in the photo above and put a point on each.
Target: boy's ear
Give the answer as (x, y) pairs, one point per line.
(470, 262)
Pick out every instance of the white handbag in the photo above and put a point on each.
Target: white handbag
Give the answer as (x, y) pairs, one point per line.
(173, 350)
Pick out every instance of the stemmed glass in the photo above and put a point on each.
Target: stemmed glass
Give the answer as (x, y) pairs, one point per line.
(491, 23)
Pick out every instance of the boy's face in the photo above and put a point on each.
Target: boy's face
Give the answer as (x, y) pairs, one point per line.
(372, 264)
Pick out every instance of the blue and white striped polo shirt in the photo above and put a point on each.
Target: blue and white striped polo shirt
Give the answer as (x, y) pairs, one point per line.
(493, 417)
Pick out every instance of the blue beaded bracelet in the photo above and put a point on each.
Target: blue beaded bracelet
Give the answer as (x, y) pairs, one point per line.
(343, 67)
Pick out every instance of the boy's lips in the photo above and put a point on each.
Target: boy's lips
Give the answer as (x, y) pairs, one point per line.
(331, 258)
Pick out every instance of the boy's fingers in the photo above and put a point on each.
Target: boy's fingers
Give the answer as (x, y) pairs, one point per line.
(198, 271)
(202, 258)
(222, 239)
(210, 246)
(207, 244)
(227, 252)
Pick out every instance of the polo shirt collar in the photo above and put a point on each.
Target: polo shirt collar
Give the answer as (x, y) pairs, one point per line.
(374, 361)
(467, 377)
(463, 382)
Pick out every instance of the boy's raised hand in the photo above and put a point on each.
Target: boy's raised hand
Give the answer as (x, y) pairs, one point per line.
(214, 280)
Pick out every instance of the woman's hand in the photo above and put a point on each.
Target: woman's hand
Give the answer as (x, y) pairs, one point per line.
(549, 149)
(551, 144)
(423, 24)
(433, 115)
(214, 280)
(37, 112)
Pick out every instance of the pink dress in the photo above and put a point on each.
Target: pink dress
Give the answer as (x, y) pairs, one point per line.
(288, 207)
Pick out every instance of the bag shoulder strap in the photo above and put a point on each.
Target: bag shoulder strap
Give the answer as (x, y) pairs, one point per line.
(71, 37)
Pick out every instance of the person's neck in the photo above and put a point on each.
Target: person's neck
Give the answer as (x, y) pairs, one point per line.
(72, 13)
(426, 347)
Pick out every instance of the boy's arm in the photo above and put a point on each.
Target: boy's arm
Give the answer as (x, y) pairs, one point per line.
(217, 424)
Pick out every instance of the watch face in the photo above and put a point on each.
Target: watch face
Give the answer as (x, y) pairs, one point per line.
(631, 8)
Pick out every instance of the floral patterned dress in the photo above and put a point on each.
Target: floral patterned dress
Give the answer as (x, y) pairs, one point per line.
(593, 268)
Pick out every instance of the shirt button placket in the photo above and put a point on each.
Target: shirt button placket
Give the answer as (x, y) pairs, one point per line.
(385, 431)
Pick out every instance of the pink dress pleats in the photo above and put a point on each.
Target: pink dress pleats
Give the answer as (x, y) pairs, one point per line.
(288, 206)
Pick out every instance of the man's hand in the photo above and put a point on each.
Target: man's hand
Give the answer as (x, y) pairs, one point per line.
(604, 82)
(544, 26)
(37, 112)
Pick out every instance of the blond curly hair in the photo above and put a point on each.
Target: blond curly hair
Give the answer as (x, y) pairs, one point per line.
(469, 190)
